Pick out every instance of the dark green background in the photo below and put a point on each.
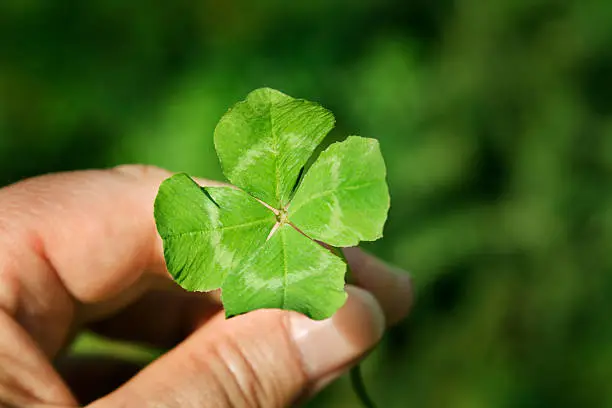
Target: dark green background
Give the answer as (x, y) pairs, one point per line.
(495, 118)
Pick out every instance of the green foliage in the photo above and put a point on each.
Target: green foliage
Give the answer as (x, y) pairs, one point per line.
(261, 251)
(208, 232)
(264, 142)
(289, 272)
(495, 120)
(344, 197)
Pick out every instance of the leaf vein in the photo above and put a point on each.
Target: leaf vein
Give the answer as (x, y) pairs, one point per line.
(335, 190)
(285, 273)
(202, 231)
(276, 156)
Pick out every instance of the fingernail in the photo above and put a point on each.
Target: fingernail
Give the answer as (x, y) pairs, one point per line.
(391, 286)
(330, 345)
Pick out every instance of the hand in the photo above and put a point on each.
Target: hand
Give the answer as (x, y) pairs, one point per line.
(80, 250)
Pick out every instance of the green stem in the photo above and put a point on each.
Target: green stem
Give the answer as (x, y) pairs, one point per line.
(355, 374)
(359, 387)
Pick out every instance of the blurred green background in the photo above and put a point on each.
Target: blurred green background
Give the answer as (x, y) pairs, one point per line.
(495, 118)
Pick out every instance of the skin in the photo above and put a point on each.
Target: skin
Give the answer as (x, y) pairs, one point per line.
(80, 250)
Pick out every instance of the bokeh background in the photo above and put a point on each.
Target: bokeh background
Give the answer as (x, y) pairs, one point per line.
(495, 118)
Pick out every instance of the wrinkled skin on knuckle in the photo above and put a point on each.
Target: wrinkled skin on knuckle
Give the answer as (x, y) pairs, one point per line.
(259, 370)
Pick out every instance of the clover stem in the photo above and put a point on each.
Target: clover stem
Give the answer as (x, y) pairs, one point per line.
(359, 387)
(355, 373)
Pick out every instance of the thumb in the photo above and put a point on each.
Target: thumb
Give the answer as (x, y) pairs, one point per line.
(267, 358)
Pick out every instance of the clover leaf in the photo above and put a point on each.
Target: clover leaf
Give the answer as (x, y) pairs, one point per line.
(261, 241)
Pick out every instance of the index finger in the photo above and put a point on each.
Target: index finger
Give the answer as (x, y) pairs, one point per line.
(78, 246)
(94, 228)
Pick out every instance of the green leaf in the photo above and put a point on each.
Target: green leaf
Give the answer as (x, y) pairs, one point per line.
(264, 141)
(204, 239)
(343, 198)
(251, 242)
(289, 272)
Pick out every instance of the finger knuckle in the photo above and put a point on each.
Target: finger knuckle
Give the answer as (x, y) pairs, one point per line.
(263, 371)
(139, 171)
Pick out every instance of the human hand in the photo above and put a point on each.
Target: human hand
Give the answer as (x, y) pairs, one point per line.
(80, 250)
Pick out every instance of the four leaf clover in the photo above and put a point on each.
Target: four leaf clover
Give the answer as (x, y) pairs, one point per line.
(261, 240)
